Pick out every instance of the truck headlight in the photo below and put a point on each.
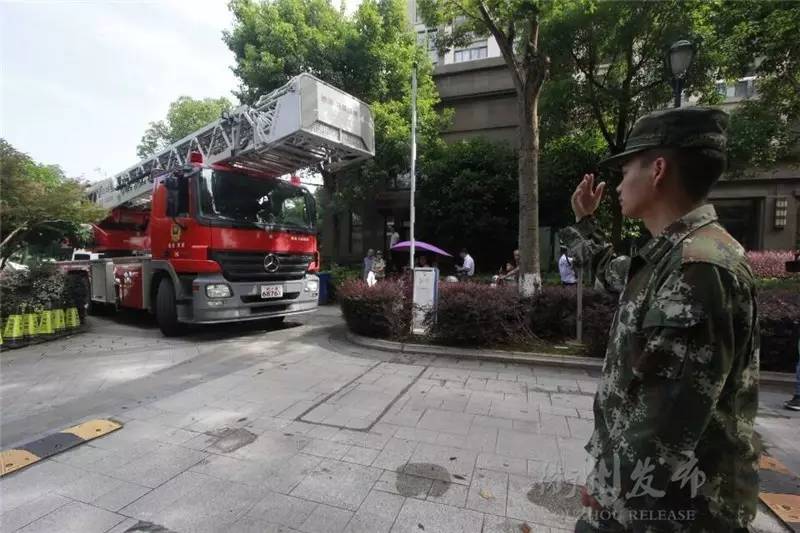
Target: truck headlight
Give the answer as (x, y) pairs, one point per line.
(312, 286)
(219, 290)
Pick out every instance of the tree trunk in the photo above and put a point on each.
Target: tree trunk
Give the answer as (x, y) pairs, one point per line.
(530, 278)
(7, 246)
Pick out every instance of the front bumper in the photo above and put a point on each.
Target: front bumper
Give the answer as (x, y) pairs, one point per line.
(246, 303)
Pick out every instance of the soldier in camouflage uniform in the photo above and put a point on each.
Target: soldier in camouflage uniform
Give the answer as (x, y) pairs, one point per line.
(675, 406)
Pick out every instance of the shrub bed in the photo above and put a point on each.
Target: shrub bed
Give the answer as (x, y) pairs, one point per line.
(554, 310)
(480, 315)
(38, 289)
(477, 315)
(339, 275)
(770, 264)
(779, 316)
(381, 311)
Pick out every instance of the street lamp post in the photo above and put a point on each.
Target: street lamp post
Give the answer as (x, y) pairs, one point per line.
(679, 59)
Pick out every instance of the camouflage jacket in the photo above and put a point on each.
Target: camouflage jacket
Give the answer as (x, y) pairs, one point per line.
(675, 406)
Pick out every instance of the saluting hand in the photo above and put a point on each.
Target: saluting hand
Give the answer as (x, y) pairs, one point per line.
(587, 197)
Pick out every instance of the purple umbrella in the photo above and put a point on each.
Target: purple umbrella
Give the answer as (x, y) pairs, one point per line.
(405, 246)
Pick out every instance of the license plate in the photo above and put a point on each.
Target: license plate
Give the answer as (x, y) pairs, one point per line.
(272, 291)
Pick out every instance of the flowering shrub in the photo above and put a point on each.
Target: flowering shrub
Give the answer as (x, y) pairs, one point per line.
(770, 263)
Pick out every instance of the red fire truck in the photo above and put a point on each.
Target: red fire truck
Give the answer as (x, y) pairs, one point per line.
(208, 230)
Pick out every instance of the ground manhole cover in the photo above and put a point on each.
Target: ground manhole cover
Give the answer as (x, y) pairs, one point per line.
(231, 439)
(147, 527)
(558, 497)
(413, 479)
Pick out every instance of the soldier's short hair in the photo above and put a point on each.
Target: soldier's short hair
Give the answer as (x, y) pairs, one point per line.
(697, 169)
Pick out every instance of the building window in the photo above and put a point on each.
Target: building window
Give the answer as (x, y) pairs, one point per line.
(744, 88)
(471, 54)
(356, 243)
(427, 38)
(742, 217)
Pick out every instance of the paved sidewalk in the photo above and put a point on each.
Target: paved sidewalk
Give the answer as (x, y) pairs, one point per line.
(298, 430)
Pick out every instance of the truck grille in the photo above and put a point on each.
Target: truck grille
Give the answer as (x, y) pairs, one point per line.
(249, 266)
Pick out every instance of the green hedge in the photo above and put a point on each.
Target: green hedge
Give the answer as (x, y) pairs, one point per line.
(39, 288)
(481, 316)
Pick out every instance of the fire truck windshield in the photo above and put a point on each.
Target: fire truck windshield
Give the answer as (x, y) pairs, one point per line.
(254, 201)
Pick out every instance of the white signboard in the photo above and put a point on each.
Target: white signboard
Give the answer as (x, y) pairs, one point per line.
(425, 298)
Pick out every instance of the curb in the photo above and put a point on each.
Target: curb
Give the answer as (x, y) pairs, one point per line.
(505, 356)
(564, 361)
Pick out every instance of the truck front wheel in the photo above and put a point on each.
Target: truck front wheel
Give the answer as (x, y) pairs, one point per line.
(167, 310)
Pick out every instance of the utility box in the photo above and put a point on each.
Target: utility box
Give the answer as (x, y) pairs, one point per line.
(425, 298)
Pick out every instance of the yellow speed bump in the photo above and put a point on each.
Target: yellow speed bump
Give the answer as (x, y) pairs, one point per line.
(779, 489)
(14, 460)
(93, 429)
(770, 463)
(54, 443)
(786, 506)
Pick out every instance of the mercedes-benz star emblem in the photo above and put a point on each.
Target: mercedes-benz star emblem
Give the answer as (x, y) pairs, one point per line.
(271, 263)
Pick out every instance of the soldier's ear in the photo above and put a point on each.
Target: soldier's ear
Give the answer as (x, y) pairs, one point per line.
(659, 169)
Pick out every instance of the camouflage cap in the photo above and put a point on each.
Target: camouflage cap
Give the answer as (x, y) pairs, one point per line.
(683, 127)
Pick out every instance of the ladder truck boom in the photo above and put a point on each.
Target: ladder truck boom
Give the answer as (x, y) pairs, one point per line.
(305, 123)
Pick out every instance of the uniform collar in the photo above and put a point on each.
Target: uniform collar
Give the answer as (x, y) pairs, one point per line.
(673, 234)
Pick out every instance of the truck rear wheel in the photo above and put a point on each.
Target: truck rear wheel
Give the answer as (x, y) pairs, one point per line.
(167, 310)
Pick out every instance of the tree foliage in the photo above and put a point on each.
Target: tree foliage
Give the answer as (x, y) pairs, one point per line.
(468, 197)
(38, 202)
(760, 38)
(611, 57)
(185, 115)
(369, 55)
(565, 158)
(759, 136)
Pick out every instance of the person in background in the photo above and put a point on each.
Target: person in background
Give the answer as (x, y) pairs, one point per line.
(394, 238)
(794, 403)
(467, 268)
(422, 261)
(368, 260)
(511, 275)
(379, 266)
(506, 275)
(565, 269)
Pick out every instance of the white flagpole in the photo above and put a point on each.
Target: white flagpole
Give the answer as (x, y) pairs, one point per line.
(413, 157)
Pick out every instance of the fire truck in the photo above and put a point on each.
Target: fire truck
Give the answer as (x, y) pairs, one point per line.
(209, 230)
